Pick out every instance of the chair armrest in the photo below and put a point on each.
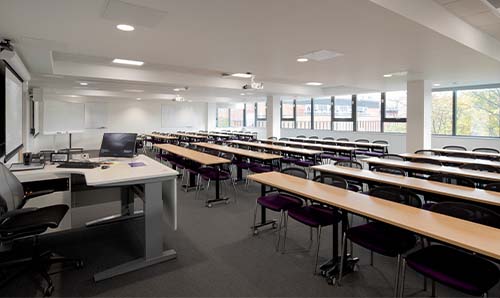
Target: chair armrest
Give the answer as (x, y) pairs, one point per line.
(35, 194)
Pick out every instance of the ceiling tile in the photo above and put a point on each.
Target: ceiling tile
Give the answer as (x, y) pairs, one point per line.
(482, 19)
(464, 8)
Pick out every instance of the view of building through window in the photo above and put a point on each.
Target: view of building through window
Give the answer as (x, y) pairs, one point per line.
(322, 113)
(368, 112)
(222, 117)
(303, 113)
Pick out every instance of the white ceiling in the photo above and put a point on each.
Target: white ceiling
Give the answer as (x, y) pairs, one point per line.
(193, 41)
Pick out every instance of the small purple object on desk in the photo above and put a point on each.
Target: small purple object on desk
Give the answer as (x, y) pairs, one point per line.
(136, 164)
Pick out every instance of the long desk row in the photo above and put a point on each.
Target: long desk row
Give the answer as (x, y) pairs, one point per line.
(452, 160)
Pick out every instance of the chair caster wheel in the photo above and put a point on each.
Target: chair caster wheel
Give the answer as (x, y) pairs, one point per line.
(79, 264)
(47, 292)
(227, 202)
(274, 225)
(255, 232)
(331, 280)
(209, 205)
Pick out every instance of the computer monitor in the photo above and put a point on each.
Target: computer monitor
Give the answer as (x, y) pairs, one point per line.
(118, 145)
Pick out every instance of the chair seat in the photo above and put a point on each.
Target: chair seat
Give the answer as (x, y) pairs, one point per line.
(304, 163)
(460, 270)
(361, 152)
(260, 169)
(354, 187)
(242, 164)
(289, 159)
(341, 157)
(315, 215)
(328, 155)
(278, 202)
(211, 174)
(382, 238)
(427, 206)
(374, 153)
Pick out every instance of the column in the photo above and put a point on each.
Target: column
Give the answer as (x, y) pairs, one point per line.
(419, 118)
(211, 116)
(273, 115)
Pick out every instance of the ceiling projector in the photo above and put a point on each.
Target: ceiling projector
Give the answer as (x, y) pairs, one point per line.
(253, 85)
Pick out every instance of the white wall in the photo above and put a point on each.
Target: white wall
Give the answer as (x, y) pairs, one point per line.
(125, 116)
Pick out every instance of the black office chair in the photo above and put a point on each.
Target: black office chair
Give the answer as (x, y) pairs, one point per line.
(17, 222)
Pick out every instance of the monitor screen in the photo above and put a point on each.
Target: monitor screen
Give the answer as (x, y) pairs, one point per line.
(118, 145)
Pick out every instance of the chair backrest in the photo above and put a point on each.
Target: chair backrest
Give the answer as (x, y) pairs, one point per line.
(284, 139)
(314, 137)
(380, 142)
(343, 139)
(389, 170)
(362, 141)
(486, 150)
(328, 138)
(426, 152)
(11, 189)
(272, 138)
(333, 180)
(469, 212)
(427, 160)
(493, 186)
(451, 179)
(301, 137)
(398, 195)
(349, 164)
(392, 156)
(455, 147)
(297, 172)
(480, 167)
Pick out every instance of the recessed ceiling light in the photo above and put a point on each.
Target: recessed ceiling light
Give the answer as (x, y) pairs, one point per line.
(388, 75)
(302, 59)
(128, 62)
(84, 83)
(133, 90)
(138, 98)
(73, 96)
(436, 85)
(314, 84)
(181, 89)
(242, 94)
(125, 27)
(242, 75)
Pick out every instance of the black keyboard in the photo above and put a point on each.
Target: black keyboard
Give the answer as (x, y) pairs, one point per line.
(78, 165)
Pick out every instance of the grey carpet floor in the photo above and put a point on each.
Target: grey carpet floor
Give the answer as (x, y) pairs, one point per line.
(217, 257)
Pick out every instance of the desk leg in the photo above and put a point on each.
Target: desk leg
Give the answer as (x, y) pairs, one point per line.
(263, 219)
(209, 203)
(153, 236)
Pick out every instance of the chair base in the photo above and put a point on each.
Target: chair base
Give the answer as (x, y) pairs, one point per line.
(331, 269)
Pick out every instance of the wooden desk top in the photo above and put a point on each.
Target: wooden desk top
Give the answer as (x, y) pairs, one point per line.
(439, 188)
(188, 135)
(341, 142)
(160, 136)
(278, 148)
(246, 134)
(478, 238)
(240, 152)
(453, 160)
(481, 175)
(211, 134)
(199, 157)
(471, 153)
(324, 147)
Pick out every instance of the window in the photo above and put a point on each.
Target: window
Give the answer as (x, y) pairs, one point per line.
(343, 119)
(222, 117)
(478, 112)
(261, 114)
(303, 113)
(322, 113)
(394, 111)
(442, 112)
(368, 114)
(287, 113)
(250, 115)
(236, 115)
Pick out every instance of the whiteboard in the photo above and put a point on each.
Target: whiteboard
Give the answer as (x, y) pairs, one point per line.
(61, 116)
(13, 112)
(96, 115)
(184, 115)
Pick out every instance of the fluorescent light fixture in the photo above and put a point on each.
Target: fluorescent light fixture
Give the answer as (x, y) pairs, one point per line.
(388, 75)
(242, 94)
(302, 59)
(128, 62)
(138, 98)
(125, 27)
(242, 75)
(436, 85)
(178, 89)
(133, 90)
(83, 83)
(73, 96)
(314, 83)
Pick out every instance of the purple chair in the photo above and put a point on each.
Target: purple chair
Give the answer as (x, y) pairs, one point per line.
(317, 216)
(377, 151)
(453, 267)
(209, 174)
(280, 202)
(493, 186)
(362, 150)
(450, 179)
(382, 238)
(353, 185)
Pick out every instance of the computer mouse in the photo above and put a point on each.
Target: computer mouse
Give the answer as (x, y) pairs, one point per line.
(104, 167)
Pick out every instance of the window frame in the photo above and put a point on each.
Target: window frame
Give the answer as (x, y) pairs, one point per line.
(353, 113)
(384, 119)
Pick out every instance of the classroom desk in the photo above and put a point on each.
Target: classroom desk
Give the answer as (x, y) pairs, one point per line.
(452, 160)
(201, 158)
(324, 147)
(212, 134)
(471, 236)
(419, 185)
(298, 151)
(240, 134)
(350, 143)
(189, 136)
(473, 154)
(154, 183)
(430, 168)
(162, 137)
(239, 153)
